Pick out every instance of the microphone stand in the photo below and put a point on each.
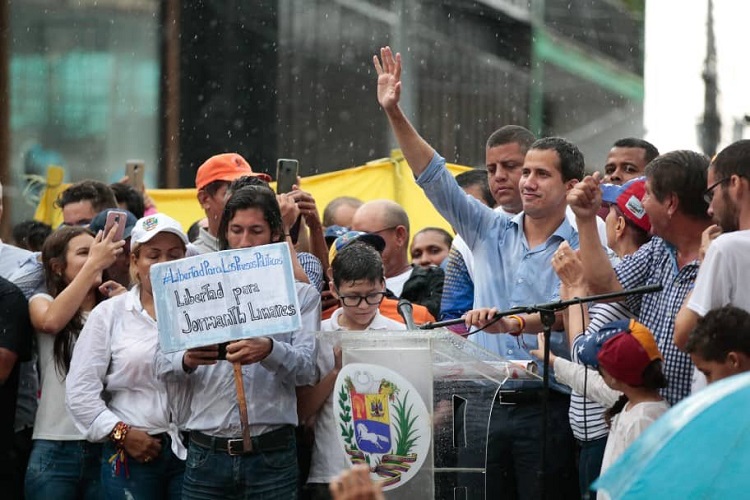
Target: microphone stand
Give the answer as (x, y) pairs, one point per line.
(547, 315)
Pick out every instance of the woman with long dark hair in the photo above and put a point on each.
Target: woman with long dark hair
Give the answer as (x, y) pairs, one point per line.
(63, 464)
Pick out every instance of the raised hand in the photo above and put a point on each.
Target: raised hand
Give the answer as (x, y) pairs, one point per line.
(289, 209)
(307, 208)
(568, 265)
(103, 252)
(388, 68)
(585, 198)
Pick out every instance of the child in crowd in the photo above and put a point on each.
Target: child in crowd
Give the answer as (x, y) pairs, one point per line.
(359, 284)
(630, 362)
(720, 343)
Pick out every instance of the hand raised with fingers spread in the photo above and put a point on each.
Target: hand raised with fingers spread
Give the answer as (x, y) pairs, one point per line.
(388, 68)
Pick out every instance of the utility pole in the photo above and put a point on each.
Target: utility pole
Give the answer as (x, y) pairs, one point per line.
(709, 131)
(405, 41)
(170, 94)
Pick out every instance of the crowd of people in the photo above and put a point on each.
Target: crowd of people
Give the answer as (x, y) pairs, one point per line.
(92, 408)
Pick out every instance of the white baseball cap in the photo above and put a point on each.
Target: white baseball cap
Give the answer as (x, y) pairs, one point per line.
(151, 225)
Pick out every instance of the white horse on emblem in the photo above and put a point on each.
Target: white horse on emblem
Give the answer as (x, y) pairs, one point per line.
(365, 435)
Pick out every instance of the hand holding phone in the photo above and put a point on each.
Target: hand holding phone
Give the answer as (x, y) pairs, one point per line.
(286, 175)
(134, 169)
(119, 217)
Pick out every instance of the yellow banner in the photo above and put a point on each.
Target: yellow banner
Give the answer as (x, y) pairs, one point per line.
(388, 178)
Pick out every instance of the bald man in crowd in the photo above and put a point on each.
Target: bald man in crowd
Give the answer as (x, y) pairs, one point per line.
(390, 221)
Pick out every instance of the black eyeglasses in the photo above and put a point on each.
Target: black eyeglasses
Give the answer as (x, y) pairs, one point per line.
(708, 194)
(372, 299)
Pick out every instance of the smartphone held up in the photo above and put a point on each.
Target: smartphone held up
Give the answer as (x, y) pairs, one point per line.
(286, 175)
(134, 169)
(118, 217)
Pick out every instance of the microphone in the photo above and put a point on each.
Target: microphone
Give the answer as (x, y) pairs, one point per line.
(407, 312)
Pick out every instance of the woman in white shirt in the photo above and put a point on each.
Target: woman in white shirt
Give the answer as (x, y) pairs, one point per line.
(217, 466)
(113, 392)
(62, 463)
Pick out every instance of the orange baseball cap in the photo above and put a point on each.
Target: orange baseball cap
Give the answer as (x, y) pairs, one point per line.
(225, 167)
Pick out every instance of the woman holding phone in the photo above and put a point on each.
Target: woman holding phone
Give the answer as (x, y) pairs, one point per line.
(217, 465)
(113, 392)
(62, 463)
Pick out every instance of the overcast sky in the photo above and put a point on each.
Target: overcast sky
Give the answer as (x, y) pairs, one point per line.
(675, 51)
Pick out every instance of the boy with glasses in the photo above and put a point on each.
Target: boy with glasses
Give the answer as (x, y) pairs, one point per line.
(359, 284)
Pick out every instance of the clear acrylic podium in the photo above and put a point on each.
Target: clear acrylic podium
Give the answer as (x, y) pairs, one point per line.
(458, 382)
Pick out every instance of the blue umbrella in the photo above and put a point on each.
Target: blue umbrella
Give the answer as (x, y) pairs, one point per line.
(700, 448)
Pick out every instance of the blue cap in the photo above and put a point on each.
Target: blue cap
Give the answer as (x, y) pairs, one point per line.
(100, 219)
(372, 239)
(590, 347)
(610, 192)
(333, 232)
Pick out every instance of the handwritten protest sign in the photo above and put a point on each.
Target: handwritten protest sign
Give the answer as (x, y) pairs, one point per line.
(224, 296)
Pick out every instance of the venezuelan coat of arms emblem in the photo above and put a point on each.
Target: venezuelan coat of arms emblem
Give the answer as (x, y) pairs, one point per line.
(383, 422)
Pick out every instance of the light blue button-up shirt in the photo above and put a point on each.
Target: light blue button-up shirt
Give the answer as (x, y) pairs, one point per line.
(270, 385)
(507, 273)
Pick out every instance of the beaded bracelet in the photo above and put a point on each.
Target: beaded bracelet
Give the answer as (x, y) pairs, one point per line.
(117, 436)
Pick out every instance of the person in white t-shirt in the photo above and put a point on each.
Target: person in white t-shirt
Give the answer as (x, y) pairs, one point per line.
(628, 359)
(113, 393)
(725, 262)
(359, 284)
(74, 260)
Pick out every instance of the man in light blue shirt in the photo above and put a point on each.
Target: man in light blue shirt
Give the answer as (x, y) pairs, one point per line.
(512, 255)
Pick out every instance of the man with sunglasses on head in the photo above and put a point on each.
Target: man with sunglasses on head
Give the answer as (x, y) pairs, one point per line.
(725, 254)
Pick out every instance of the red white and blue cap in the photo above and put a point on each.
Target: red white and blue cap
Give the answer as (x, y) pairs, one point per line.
(629, 199)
